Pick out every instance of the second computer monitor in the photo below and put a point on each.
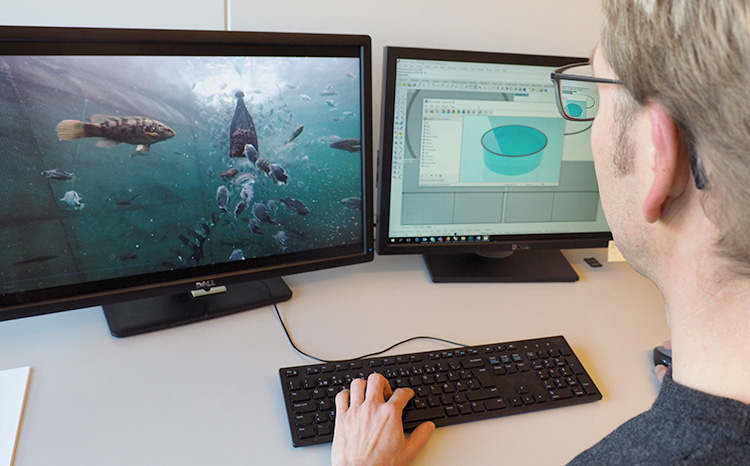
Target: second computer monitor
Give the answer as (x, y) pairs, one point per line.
(476, 160)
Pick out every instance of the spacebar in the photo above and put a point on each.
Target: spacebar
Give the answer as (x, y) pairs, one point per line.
(424, 414)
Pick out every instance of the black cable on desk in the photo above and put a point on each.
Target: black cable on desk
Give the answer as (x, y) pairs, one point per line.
(369, 355)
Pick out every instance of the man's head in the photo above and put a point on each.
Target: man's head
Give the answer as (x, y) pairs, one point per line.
(691, 58)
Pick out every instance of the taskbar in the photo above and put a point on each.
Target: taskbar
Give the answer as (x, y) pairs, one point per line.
(440, 239)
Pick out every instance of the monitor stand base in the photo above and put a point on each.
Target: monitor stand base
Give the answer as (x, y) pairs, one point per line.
(160, 312)
(541, 265)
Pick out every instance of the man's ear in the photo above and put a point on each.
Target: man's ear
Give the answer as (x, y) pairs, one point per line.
(671, 170)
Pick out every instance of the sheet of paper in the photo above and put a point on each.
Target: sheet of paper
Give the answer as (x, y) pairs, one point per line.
(614, 254)
(13, 385)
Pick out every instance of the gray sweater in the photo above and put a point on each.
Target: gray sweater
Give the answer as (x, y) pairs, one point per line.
(683, 427)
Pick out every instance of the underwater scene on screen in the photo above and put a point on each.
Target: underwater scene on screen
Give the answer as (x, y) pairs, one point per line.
(119, 166)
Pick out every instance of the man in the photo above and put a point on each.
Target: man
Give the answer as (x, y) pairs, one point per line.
(672, 150)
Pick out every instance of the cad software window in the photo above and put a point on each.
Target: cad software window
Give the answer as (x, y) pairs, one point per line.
(480, 149)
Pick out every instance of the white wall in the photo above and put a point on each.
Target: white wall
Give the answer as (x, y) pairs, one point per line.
(155, 14)
(554, 27)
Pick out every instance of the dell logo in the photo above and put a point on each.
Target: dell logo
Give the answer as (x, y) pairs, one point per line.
(205, 285)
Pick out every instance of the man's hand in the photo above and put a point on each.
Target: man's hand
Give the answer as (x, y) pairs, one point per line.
(369, 430)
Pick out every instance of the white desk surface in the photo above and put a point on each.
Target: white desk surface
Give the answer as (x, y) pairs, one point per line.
(209, 393)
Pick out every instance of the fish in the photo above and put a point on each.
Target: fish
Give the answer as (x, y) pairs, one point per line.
(305, 97)
(242, 129)
(229, 173)
(286, 148)
(243, 178)
(263, 165)
(281, 238)
(239, 208)
(352, 203)
(278, 174)
(57, 174)
(328, 91)
(126, 256)
(250, 152)
(35, 260)
(246, 193)
(295, 205)
(126, 201)
(137, 130)
(295, 133)
(350, 75)
(254, 226)
(237, 255)
(73, 199)
(222, 198)
(347, 144)
(261, 213)
(331, 103)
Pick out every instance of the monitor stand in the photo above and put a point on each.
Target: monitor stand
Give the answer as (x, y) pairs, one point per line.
(542, 265)
(161, 312)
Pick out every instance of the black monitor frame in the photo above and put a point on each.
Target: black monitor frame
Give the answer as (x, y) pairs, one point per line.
(511, 258)
(182, 283)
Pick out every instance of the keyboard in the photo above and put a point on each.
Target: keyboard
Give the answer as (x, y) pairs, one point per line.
(451, 386)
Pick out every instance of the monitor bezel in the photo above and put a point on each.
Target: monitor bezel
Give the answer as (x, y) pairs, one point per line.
(134, 42)
(508, 243)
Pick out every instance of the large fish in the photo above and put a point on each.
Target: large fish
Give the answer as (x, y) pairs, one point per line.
(260, 212)
(237, 255)
(57, 174)
(246, 193)
(278, 174)
(73, 199)
(295, 133)
(352, 203)
(348, 144)
(295, 205)
(229, 173)
(250, 152)
(136, 130)
(254, 225)
(239, 208)
(222, 198)
(242, 129)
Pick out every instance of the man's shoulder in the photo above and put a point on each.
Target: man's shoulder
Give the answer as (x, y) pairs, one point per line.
(683, 426)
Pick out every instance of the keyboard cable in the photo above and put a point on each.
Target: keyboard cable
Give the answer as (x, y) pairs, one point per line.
(369, 355)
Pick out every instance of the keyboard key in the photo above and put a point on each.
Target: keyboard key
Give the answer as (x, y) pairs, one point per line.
(561, 394)
(492, 405)
(306, 432)
(482, 394)
(426, 414)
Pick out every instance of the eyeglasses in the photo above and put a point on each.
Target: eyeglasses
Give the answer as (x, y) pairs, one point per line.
(577, 99)
(576, 93)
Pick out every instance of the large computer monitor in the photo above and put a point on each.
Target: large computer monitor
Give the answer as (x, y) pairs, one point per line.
(174, 176)
(479, 172)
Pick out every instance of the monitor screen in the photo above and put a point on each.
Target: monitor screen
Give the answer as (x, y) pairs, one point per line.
(143, 163)
(475, 158)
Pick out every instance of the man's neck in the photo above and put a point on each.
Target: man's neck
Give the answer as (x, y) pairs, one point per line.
(710, 324)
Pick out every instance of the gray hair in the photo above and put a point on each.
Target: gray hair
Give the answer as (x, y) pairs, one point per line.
(693, 58)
